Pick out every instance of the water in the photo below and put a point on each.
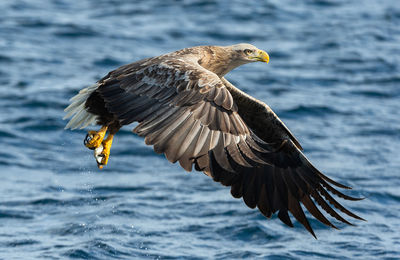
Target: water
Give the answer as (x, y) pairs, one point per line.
(333, 78)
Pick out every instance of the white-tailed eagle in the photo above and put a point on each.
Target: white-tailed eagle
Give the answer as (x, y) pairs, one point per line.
(186, 109)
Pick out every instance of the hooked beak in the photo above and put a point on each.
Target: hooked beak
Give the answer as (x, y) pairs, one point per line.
(261, 56)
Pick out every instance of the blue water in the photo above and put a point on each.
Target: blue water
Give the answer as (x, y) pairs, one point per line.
(334, 78)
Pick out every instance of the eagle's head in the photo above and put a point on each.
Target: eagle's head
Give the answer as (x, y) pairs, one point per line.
(249, 53)
(222, 59)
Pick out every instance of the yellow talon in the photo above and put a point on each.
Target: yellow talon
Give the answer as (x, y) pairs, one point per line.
(102, 153)
(94, 139)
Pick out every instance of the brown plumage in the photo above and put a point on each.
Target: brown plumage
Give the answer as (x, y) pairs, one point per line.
(187, 110)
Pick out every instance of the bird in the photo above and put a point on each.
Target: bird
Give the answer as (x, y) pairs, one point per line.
(187, 110)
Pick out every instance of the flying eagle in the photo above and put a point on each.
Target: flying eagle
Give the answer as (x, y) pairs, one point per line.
(187, 110)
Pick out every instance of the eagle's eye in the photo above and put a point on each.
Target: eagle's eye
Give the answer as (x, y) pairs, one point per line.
(247, 51)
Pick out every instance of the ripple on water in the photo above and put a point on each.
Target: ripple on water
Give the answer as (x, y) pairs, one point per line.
(75, 31)
(7, 134)
(378, 132)
(22, 242)
(34, 23)
(15, 214)
(248, 232)
(79, 254)
(95, 249)
(119, 189)
(5, 59)
(373, 94)
(107, 62)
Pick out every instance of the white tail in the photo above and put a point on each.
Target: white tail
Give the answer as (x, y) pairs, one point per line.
(80, 117)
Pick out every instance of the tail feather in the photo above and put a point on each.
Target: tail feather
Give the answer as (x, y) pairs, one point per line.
(81, 118)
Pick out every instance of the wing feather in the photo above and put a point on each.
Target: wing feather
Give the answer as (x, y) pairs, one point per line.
(170, 127)
(177, 137)
(191, 135)
(186, 160)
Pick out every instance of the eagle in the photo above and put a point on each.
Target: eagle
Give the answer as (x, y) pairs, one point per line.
(187, 110)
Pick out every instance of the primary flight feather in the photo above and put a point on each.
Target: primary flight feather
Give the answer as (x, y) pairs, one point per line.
(187, 110)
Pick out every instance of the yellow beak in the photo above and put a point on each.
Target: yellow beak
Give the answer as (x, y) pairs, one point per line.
(262, 56)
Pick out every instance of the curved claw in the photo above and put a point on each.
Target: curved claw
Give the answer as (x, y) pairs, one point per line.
(86, 141)
(93, 139)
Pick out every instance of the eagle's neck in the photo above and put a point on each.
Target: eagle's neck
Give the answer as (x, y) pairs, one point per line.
(219, 60)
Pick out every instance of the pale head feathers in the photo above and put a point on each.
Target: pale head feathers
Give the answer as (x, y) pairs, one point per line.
(242, 47)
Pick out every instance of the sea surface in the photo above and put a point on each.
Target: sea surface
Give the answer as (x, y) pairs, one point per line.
(333, 78)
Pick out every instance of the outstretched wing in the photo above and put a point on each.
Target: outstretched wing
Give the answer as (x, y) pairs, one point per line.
(188, 113)
(286, 179)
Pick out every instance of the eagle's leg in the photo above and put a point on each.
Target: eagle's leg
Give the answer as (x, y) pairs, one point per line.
(94, 138)
(102, 153)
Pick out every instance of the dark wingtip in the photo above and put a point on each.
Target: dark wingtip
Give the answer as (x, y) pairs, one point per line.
(312, 233)
(284, 217)
(356, 199)
(316, 238)
(359, 218)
